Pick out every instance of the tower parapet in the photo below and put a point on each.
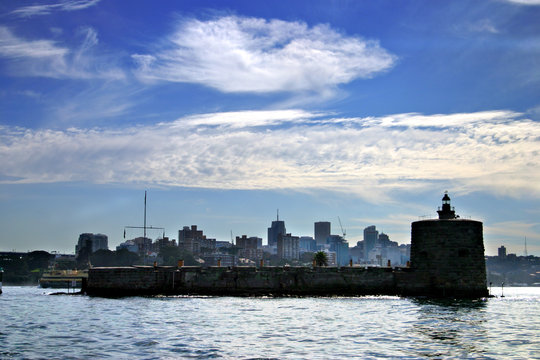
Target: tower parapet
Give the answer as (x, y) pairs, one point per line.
(448, 254)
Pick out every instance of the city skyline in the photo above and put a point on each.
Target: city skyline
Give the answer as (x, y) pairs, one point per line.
(361, 111)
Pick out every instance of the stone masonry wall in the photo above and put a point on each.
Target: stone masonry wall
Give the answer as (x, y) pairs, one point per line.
(449, 255)
(245, 281)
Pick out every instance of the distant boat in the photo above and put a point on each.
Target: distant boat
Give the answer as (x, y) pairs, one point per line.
(57, 279)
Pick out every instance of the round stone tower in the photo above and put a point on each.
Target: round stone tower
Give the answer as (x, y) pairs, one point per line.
(447, 254)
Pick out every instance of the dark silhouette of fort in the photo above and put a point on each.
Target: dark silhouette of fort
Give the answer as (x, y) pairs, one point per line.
(447, 260)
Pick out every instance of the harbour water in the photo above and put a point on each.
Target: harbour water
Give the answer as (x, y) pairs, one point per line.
(36, 325)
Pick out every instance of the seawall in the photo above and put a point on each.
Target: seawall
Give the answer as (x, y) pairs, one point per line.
(265, 281)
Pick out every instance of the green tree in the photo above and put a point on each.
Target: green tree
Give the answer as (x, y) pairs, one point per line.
(103, 258)
(321, 259)
(124, 257)
(171, 255)
(306, 258)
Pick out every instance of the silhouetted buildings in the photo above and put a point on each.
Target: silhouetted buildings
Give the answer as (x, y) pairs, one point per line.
(92, 243)
(277, 228)
(288, 247)
(161, 243)
(322, 232)
(501, 252)
(370, 239)
(88, 244)
(282, 247)
(339, 246)
(144, 245)
(220, 259)
(248, 247)
(128, 245)
(194, 241)
(307, 244)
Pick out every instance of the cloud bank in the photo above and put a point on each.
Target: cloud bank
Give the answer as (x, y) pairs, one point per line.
(494, 151)
(240, 54)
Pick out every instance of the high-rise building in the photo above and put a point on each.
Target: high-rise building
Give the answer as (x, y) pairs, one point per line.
(502, 252)
(341, 247)
(277, 228)
(245, 242)
(322, 232)
(248, 247)
(384, 241)
(193, 240)
(370, 239)
(92, 243)
(144, 245)
(288, 247)
(307, 244)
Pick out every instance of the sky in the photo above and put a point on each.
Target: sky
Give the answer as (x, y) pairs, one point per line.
(363, 112)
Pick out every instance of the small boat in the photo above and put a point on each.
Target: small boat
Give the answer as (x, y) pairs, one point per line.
(57, 279)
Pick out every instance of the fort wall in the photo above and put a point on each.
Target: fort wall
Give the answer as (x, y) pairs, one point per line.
(265, 281)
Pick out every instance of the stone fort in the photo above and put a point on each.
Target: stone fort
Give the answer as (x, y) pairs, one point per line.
(447, 260)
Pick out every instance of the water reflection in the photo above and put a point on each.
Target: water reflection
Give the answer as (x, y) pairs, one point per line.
(450, 328)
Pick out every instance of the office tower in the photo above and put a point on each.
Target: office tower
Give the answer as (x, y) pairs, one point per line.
(502, 252)
(288, 247)
(92, 243)
(322, 232)
(370, 239)
(277, 228)
(341, 247)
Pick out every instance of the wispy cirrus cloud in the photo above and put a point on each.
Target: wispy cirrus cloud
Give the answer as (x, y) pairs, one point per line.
(241, 54)
(493, 151)
(47, 58)
(525, 2)
(15, 48)
(481, 26)
(46, 9)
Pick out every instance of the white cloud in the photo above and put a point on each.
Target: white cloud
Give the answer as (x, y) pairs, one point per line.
(46, 9)
(46, 58)
(240, 119)
(495, 151)
(13, 47)
(238, 54)
(525, 2)
(481, 26)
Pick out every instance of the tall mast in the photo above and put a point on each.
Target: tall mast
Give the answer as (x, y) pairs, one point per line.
(144, 214)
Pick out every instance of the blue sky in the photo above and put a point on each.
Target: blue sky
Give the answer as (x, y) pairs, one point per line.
(226, 111)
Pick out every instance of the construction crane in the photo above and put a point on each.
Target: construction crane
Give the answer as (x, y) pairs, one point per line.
(341, 226)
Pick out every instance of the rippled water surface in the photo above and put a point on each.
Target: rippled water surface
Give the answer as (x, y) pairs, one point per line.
(36, 325)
